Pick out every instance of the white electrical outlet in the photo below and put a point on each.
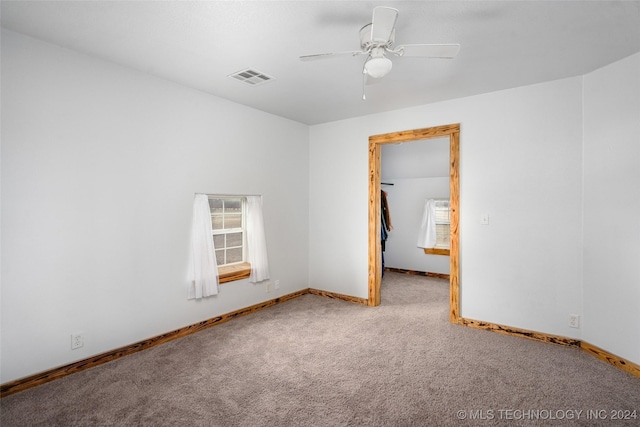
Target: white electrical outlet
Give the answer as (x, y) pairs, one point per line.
(574, 321)
(77, 341)
(267, 287)
(276, 284)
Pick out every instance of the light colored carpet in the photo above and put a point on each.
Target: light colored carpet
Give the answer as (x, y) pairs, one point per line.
(315, 361)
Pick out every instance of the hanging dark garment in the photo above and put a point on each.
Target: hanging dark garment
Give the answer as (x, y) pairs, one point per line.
(385, 218)
(386, 215)
(385, 223)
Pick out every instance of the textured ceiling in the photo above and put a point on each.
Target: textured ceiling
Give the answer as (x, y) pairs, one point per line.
(198, 44)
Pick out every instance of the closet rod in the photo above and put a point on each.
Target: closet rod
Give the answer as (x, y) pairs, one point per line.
(385, 183)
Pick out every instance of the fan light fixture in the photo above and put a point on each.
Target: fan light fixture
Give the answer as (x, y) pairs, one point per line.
(378, 67)
(377, 39)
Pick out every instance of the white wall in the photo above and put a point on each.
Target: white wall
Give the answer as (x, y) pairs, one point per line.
(612, 208)
(406, 200)
(416, 159)
(99, 167)
(520, 161)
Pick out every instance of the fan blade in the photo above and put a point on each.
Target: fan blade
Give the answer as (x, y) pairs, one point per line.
(329, 55)
(429, 50)
(383, 23)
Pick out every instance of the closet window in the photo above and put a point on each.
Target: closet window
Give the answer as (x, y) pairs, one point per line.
(443, 229)
(443, 224)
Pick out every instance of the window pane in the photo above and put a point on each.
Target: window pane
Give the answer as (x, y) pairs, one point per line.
(216, 222)
(234, 239)
(442, 216)
(442, 212)
(220, 257)
(232, 220)
(215, 205)
(234, 255)
(443, 237)
(232, 205)
(218, 241)
(227, 213)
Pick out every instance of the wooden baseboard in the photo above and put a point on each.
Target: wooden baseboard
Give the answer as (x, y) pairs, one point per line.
(342, 297)
(612, 359)
(418, 273)
(508, 330)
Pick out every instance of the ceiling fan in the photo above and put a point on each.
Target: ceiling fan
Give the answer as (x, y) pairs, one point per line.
(376, 40)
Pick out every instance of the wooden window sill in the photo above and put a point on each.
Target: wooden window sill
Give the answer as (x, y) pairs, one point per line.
(229, 273)
(436, 251)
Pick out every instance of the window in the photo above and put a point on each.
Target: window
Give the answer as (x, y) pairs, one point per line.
(443, 224)
(443, 229)
(228, 224)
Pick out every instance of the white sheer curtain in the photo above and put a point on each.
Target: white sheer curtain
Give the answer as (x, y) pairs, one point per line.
(427, 234)
(203, 269)
(256, 240)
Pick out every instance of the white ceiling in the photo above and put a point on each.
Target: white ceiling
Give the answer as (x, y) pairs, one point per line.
(198, 44)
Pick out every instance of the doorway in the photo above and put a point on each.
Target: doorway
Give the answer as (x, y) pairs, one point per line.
(375, 249)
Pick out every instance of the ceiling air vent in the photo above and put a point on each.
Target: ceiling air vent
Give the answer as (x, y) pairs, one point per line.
(251, 77)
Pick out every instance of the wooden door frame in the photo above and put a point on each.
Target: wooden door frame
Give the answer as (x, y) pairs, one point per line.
(375, 247)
